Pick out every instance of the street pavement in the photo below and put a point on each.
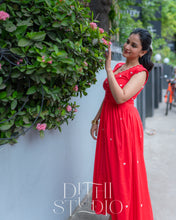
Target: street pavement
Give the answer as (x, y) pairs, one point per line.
(160, 160)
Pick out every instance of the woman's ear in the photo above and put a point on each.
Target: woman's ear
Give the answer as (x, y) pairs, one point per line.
(143, 52)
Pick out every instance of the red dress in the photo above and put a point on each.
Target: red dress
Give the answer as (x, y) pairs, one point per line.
(120, 186)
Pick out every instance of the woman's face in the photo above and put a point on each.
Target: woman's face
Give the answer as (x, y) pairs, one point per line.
(132, 48)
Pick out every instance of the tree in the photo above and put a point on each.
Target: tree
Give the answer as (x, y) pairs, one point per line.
(168, 19)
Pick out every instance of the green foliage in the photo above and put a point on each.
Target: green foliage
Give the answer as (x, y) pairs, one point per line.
(122, 23)
(149, 9)
(63, 53)
(168, 19)
(160, 46)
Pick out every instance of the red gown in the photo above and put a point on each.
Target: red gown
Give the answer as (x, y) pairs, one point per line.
(120, 186)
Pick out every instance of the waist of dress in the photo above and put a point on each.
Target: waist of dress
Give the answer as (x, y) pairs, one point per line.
(113, 102)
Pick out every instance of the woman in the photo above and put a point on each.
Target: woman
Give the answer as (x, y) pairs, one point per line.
(120, 186)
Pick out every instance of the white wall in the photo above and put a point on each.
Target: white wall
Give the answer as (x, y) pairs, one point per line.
(33, 172)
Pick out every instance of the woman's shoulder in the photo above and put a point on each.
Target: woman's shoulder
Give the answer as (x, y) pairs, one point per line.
(137, 69)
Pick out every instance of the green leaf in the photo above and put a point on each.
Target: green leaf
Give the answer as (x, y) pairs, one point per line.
(52, 36)
(63, 112)
(3, 7)
(46, 89)
(68, 60)
(39, 45)
(48, 3)
(30, 71)
(20, 31)
(56, 24)
(6, 126)
(65, 22)
(3, 95)
(42, 79)
(36, 36)
(1, 80)
(14, 104)
(24, 22)
(17, 51)
(15, 75)
(14, 95)
(61, 53)
(10, 27)
(56, 49)
(24, 42)
(2, 86)
(43, 65)
(31, 90)
(26, 119)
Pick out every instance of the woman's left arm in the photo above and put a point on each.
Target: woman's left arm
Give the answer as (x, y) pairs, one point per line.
(121, 95)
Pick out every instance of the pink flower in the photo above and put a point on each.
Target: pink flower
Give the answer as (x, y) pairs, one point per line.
(40, 127)
(104, 41)
(85, 63)
(4, 15)
(75, 110)
(93, 25)
(101, 30)
(21, 60)
(43, 61)
(68, 108)
(89, 84)
(0, 66)
(50, 61)
(75, 88)
(43, 57)
(18, 63)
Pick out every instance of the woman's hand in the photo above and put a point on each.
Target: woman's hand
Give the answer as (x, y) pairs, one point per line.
(94, 131)
(108, 59)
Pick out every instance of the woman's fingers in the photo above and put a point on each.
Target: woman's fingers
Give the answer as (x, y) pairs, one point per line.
(109, 51)
(94, 132)
(108, 58)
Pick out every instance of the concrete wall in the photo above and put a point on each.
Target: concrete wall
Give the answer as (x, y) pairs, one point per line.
(33, 172)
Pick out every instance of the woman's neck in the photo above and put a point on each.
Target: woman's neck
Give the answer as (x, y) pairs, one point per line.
(130, 63)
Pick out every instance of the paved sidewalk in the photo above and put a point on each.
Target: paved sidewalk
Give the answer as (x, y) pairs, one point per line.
(160, 159)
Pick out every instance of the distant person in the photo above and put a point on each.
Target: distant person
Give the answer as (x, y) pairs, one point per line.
(120, 186)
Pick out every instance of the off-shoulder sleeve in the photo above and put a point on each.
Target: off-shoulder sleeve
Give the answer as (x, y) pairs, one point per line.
(138, 69)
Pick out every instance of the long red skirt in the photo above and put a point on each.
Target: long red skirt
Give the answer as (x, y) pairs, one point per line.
(120, 185)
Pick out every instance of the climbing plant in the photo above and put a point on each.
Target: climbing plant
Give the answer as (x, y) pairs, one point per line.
(50, 51)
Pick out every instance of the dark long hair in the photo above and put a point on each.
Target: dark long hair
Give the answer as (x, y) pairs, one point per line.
(146, 40)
